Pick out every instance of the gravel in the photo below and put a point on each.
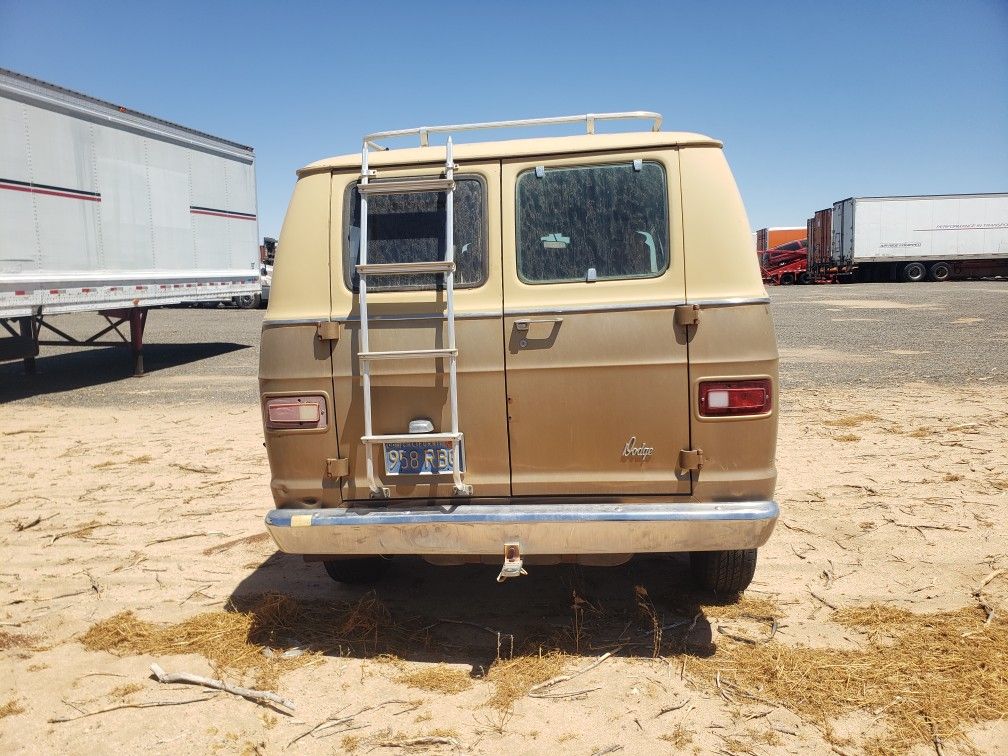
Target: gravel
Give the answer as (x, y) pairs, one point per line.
(848, 335)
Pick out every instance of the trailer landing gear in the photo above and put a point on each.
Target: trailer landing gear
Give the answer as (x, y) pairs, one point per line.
(24, 343)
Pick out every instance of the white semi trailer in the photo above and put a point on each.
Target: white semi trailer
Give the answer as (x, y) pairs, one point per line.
(919, 238)
(109, 210)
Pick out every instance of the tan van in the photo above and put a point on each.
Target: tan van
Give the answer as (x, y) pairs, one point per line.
(525, 352)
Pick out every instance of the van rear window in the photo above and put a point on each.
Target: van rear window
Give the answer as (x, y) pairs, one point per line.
(411, 228)
(588, 223)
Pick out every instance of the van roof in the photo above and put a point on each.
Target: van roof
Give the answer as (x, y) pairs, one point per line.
(511, 148)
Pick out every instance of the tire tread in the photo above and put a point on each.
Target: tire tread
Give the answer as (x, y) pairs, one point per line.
(726, 572)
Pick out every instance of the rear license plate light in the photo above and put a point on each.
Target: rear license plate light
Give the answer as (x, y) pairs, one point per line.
(733, 398)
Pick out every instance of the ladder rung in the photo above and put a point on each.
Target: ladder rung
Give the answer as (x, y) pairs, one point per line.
(413, 268)
(408, 354)
(405, 438)
(407, 186)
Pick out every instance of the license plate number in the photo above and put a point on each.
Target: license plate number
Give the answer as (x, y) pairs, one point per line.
(421, 458)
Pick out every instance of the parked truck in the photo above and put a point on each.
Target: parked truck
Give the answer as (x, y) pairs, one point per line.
(918, 238)
(104, 209)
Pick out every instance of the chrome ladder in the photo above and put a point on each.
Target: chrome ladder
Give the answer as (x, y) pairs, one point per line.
(450, 352)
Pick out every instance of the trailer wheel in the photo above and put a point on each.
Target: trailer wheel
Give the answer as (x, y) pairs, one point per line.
(726, 572)
(939, 271)
(913, 272)
(358, 570)
(805, 278)
(787, 279)
(247, 301)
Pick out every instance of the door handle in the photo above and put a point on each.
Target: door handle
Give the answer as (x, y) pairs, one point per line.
(524, 324)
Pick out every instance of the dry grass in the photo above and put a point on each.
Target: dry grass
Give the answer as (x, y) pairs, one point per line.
(236, 640)
(921, 674)
(14, 640)
(679, 738)
(747, 607)
(126, 690)
(143, 459)
(951, 477)
(246, 542)
(847, 437)
(11, 708)
(512, 678)
(350, 743)
(851, 421)
(439, 678)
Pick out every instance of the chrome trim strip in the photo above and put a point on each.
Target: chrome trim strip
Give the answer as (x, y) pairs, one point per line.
(729, 301)
(519, 312)
(541, 528)
(608, 307)
(386, 318)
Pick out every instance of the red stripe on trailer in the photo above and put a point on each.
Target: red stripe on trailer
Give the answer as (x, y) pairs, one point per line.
(54, 291)
(140, 288)
(223, 215)
(20, 293)
(33, 190)
(86, 291)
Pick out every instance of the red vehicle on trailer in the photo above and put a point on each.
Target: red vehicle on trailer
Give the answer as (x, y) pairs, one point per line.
(786, 264)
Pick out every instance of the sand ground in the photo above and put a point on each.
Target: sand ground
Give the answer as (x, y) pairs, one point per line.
(894, 496)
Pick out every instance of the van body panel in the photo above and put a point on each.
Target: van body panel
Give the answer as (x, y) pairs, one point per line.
(734, 342)
(715, 230)
(294, 362)
(405, 390)
(597, 372)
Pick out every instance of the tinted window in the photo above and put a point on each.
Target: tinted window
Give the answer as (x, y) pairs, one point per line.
(609, 218)
(411, 228)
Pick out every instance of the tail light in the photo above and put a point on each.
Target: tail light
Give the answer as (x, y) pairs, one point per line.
(299, 412)
(731, 398)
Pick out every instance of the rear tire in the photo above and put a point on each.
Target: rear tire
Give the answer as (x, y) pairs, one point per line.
(360, 570)
(805, 278)
(247, 301)
(725, 572)
(787, 279)
(939, 271)
(914, 272)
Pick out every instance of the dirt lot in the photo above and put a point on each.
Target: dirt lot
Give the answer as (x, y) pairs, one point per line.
(146, 496)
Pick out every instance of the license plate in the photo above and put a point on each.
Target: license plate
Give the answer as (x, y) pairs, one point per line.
(421, 458)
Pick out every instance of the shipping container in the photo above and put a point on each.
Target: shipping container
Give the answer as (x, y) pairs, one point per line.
(819, 243)
(920, 237)
(105, 209)
(769, 238)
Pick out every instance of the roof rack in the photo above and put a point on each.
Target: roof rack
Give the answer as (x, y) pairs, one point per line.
(589, 119)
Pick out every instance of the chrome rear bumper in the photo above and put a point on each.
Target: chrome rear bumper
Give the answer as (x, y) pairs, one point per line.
(552, 529)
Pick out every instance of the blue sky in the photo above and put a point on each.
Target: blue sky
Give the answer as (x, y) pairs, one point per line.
(814, 101)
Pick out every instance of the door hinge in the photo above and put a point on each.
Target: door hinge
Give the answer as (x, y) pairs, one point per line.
(687, 315)
(337, 468)
(691, 459)
(329, 330)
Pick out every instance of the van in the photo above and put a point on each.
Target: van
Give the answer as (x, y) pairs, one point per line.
(522, 351)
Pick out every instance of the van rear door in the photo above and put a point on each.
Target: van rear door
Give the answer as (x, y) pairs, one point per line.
(597, 369)
(408, 313)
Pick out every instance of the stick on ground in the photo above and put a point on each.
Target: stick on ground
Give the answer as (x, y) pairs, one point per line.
(259, 696)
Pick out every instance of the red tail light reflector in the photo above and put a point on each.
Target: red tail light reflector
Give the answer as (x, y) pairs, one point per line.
(296, 412)
(721, 398)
